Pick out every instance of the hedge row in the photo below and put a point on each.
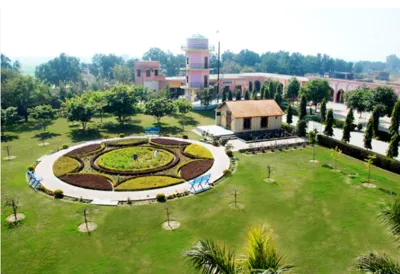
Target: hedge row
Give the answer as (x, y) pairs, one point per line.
(288, 128)
(360, 153)
(272, 147)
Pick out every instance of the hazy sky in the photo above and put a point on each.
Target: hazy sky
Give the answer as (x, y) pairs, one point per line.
(83, 28)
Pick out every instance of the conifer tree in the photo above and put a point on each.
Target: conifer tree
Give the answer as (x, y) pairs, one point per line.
(224, 95)
(278, 98)
(347, 126)
(289, 116)
(368, 134)
(393, 150)
(328, 131)
(230, 95)
(266, 92)
(323, 110)
(303, 107)
(254, 95)
(262, 92)
(246, 95)
(395, 120)
(238, 95)
(376, 113)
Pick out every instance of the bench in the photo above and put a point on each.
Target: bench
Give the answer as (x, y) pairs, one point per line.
(152, 130)
(34, 180)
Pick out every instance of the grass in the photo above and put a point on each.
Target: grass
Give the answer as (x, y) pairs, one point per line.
(64, 165)
(323, 220)
(122, 159)
(148, 182)
(198, 151)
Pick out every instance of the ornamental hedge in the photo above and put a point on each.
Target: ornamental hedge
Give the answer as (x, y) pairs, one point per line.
(87, 180)
(168, 142)
(147, 182)
(127, 142)
(360, 153)
(64, 165)
(198, 151)
(195, 168)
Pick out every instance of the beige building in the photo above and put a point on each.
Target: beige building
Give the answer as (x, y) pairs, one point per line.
(249, 116)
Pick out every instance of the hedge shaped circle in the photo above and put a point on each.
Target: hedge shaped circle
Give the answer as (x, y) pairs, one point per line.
(98, 168)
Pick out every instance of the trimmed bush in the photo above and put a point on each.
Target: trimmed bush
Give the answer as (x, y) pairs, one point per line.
(338, 123)
(198, 151)
(121, 135)
(185, 137)
(58, 194)
(148, 182)
(161, 198)
(360, 153)
(288, 128)
(31, 168)
(64, 165)
(64, 146)
(229, 153)
(227, 172)
(314, 118)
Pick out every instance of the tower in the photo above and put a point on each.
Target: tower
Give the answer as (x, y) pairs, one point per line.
(197, 76)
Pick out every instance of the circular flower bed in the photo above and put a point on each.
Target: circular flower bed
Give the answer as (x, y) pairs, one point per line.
(148, 182)
(195, 168)
(168, 142)
(90, 181)
(134, 158)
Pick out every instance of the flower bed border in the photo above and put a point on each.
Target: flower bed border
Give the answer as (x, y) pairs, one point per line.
(149, 188)
(178, 143)
(94, 174)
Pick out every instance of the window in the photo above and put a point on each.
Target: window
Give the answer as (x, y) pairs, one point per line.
(156, 72)
(247, 123)
(264, 122)
(205, 81)
(147, 73)
(138, 72)
(218, 113)
(276, 117)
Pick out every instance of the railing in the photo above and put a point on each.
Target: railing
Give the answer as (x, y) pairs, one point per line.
(198, 46)
(195, 66)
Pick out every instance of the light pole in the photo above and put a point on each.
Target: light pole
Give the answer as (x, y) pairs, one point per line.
(218, 67)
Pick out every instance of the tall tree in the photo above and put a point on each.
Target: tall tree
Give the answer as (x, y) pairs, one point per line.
(246, 95)
(395, 120)
(230, 95)
(102, 65)
(316, 90)
(159, 108)
(262, 92)
(368, 134)
(120, 102)
(183, 106)
(289, 116)
(9, 117)
(121, 73)
(278, 98)
(347, 126)
(385, 96)
(303, 107)
(292, 89)
(329, 123)
(358, 99)
(376, 113)
(44, 114)
(301, 128)
(80, 110)
(254, 95)
(323, 110)
(60, 69)
(97, 100)
(393, 150)
(238, 95)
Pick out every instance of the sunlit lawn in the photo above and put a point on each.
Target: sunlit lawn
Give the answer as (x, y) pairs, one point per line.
(322, 219)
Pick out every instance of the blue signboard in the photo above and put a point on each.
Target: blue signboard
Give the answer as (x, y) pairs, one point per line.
(227, 83)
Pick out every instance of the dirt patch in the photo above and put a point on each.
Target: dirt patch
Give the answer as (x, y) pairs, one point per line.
(84, 150)
(90, 227)
(269, 180)
(90, 181)
(314, 161)
(43, 144)
(368, 185)
(11, 218)
(169, 142)
(9, 157)
(195, 169)
(171, 225)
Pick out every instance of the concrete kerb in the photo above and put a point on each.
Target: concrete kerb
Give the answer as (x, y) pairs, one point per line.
(45, 170)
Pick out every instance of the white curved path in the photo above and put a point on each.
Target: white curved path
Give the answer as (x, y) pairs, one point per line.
(45, 170)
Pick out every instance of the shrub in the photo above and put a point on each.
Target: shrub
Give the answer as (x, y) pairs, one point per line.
(360, 153)
(314, 118)
(170, 197)
(129, 201)
(64, 146)
(160, 197)
(31, 168)
(215, 143)
(359, 126)
(121, 135)
(227, 172)
(223, 141)
(185, 137)
(198, 151)
(338, 123)
(127, 142)
(58, 194)
(229, 153)
(288, 128)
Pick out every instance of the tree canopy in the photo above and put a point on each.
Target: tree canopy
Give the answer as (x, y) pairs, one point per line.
(159, 108)
(60, 69)
(120, 102)
(316, 90)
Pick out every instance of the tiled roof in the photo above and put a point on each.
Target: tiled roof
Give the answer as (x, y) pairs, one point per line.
(253, 108)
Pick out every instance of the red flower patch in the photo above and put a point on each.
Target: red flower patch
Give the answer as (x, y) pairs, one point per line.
(195, 169)
(90, 181)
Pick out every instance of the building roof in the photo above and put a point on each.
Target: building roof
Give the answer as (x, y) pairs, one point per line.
(198, 36)
(253, 108)
(244, 76)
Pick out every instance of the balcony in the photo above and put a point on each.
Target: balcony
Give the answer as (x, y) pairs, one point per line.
(197, 85)
(194, 66)
(198, 47)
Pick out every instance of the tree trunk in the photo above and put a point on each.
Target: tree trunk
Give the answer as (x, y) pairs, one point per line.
(84, 126)
(26, 116)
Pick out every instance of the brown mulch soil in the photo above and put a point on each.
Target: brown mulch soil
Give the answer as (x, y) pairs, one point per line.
(90, 181)
(169, 142)
(84, 150)
(195, 169)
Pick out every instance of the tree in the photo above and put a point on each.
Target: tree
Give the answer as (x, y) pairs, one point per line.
(142, 93)
(159, 108)
(391, 218)
(316, 90)
(278, 89)
(230, 95)
(312, 140)
(121, 73)
(292, 89)
(347, 126)
(303, 107)
(261, 256)
(262, 92)
(102, 65)
(368, 134)
(301, 128)
(278, 98)
(336, 154)
(393, 150)
(385, 96)
(97, 100)
(13, 203)
(323, 110)
(254, 95)
(80, 110)
(9, 117)
(60, 69)
(183, 106)
(358, 99)
(289, 116)
(395, 120)
(238, 95)
(246, 95)
(368, 164)
(224, 95)
(376, 113)
(44, 114)
(206, 97)
(120, 102)
(329, 124)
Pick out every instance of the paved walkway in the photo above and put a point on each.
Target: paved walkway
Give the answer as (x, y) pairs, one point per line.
(239, 144)
(50, 181)
(356, 138)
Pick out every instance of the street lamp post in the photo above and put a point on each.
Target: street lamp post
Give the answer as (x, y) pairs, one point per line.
(218, 68)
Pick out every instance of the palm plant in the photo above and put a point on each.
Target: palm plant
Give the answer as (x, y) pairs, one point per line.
(261, 256)
(373, 263)
(391, 217)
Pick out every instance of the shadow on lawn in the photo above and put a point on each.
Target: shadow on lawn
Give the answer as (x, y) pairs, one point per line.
(45, 135)
(8, 138)
(79, 135)
(25, 126)
(128, 128)
(206, 113)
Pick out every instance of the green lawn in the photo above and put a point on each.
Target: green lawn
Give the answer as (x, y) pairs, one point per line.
(322, 219)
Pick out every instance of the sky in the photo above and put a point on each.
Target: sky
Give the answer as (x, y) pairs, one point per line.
(83, 28)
